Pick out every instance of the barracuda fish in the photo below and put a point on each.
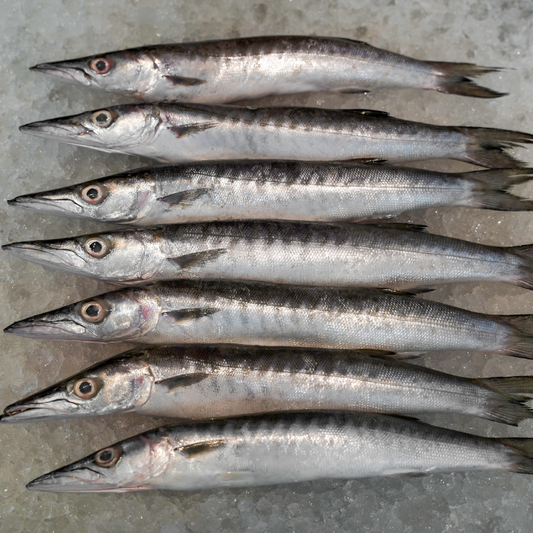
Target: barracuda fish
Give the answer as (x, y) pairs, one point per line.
(342, 255)
(284, 448)
(187, 312)
(320, 192)
(194, 132)
(195, 382)
(236, 69)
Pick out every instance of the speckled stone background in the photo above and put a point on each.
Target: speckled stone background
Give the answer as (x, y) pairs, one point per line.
(488, 32)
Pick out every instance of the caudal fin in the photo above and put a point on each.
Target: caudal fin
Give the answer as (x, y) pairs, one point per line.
(486, 146)
(510, 407)
(521, 342)
(455, 78)
(491, 189)
(520, 453)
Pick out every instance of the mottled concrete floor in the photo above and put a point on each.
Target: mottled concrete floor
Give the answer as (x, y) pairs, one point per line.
(487, 32)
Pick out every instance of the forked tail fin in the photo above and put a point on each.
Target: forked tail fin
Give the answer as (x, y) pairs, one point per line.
(455, 78)
(521, 453)
(521, 344)
(510, 407)
(491, 189)
(486, 146)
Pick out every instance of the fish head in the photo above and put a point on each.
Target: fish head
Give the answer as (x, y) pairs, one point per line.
(113, 129)
(119, 385)
(115, 199)
(121, 256)
(126, 466)
(122, 315)
(129, 72)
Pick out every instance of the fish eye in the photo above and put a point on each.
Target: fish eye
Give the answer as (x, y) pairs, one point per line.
(108, 456)
(86, 388)
(94, 194)
(103, 118)
(97, 247)
(101, 65)
(94, 311)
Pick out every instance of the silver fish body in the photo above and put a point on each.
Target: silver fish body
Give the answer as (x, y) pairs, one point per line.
(283, 448)
(342, 255)
(236, 69)
(197, 132)
(280, 190)
(188, 312)
(195, 382)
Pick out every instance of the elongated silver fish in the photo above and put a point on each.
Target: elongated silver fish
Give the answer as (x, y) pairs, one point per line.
(241, 190)
(283, 448)
(197, 382)
(186, 312)
(197, 132)
(342, 255)
(236, 69)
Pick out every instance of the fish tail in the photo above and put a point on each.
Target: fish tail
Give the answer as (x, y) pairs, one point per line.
(455, 78)
(514, 392)
(491, 190)
(521, 453)
(521, 344)
(486, 146)
(525, 252)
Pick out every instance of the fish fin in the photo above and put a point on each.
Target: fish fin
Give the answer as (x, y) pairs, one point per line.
(491, 191)
(191, 129)
(508, 411)
(351, 90)
(181, 381)
(239, 479)
(410, 474)
(367, 112)
(405, 417)
(486, 146)
(200, 448)
(521, 450)
(183, 197)
(197, 259)
(525, 251)
(187, 82)
(407, 292)
(190, 314)
(454, 78)
(367, 161)
(420, 228)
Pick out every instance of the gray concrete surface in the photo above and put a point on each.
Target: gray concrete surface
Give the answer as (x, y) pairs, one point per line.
(487, 32)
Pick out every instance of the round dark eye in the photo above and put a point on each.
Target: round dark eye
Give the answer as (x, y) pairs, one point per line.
(94, 194)
(103, 118)
(94, 311)
(101, 65)
(86, 388)
(97, 247)
(108, 456)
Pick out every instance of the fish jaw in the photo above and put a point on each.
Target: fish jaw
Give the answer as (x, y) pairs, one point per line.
(35, 409)
(48, 326)
(46, 254)
(50, 204)
(65, 129)
(69, 71)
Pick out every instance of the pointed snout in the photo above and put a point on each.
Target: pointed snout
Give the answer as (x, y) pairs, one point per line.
(70, 71)
(64, 129)
(53, 325)
(58, 202)
(47, 253)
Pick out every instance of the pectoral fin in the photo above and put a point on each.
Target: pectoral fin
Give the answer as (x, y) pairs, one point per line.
(186, 82)
(196, 259)
(191, 129)
(181, 381)
(199, 448)
(237, 479)
(190, 314)
(184, 197)
(368, 112)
